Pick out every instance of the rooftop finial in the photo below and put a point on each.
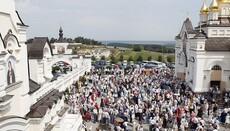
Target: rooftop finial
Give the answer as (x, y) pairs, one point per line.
(214, 6)
(204, 8)
(60, 34)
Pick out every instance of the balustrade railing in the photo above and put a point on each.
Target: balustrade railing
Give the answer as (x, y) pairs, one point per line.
(61, 83)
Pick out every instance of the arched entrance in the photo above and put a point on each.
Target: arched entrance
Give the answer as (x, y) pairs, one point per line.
(59, 68)
(216, 74)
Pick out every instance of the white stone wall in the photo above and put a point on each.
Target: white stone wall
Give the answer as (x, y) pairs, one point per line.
(216, 58)
(15, 123)
(218, 31)
(3, 79)
(33, 67)
(61, 57)
(9, 19)
(60, 45)
(71, 122)
(36, 124)
(16, 106)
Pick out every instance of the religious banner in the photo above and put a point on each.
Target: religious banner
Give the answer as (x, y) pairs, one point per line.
(61, 50)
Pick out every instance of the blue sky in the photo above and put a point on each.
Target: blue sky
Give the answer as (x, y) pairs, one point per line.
(108, 19)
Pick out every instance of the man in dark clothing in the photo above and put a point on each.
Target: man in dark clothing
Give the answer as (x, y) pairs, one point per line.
(200, 113)
(223, 117)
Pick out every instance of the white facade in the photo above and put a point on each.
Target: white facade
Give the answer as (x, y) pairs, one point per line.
(203, 53)
(29, 100)
(12, 50)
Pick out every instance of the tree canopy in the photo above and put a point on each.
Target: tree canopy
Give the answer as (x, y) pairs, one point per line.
(103, 57)
(139, 58)
(160, 58)
(93, 58)
(137, 48)
(130, 58)
(78, 39)
(149, 58)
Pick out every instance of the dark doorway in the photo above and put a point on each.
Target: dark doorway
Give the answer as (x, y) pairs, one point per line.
(215, 83)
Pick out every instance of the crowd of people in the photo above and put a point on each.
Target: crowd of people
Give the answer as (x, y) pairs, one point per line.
(155, 99)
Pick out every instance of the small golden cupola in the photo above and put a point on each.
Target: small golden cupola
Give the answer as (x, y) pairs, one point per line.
(214, 6)
(204, 9)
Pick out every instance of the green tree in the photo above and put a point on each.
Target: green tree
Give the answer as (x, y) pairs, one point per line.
(79, 39)
(169, 59)
(160, 58)
(140, 58)
(52, 40)
(137, 48)
(121, 58)
(112, 59)
(149, 58)
(67, 91)
(70, 40)
(130, 58)
(29, 41)
(93, 58)
(103, 57)
(86, 41)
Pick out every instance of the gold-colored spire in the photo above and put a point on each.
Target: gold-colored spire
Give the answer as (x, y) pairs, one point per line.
(204, 8)
(214, 5)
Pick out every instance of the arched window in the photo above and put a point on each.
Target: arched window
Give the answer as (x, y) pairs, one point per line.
(185, 42)
(183, 59)
(216, 67)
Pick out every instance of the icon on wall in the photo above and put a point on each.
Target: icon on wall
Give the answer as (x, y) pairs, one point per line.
(61, 50)
(10, 71)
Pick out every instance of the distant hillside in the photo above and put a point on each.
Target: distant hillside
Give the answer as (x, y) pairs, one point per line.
(140, 42)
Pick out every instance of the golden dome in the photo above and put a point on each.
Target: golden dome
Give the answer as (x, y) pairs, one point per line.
(214, 6)
(204, 8)
(224, 1)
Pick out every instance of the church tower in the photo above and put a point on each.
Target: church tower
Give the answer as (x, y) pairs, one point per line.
(206, 62)
(214, 13)
(204, 14)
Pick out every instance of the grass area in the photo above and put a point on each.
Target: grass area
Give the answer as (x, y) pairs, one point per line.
(126, 52)
(145, 54)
